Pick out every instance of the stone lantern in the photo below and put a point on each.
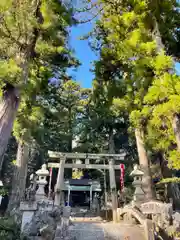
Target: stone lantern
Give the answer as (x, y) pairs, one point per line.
(137, 174)
(42, 175)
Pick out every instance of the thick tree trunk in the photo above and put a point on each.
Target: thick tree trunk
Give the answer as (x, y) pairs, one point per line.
(8, 109)
(111, 142)
(166, 173)
(10, 100)
(19, 176)
(7, 167)
(176, 128)
(144, 164)
(34, 153)
(173, 190)
(156, 35)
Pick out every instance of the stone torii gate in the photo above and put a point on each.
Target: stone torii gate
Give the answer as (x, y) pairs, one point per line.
(87, 160)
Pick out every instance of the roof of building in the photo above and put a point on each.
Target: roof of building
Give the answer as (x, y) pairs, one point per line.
(78, 182)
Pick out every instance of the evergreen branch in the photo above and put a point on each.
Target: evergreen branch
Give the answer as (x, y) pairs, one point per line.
(170, 180)
(87, 8)
(90, 19)
(2, 227)
(9, 35)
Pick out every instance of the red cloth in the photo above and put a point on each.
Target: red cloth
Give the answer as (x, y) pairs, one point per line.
(122, 169)
(50, 171)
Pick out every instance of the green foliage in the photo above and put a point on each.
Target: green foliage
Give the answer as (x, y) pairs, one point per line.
(9, 69)
(63, 106)
(174, 159)
(174, 234)
(33, 49)
(170, 180)
(137, 43)
(3, 191)
(9, 230)
(135, 83)
(77, 174)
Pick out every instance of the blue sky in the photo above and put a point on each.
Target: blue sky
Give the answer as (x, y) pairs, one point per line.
(83, 53)
(178, 68)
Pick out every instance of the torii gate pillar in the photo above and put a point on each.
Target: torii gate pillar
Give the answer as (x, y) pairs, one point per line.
(113, 189)
(60, 183)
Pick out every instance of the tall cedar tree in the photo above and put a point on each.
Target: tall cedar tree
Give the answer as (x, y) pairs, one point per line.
(34, 38)
(132, 32)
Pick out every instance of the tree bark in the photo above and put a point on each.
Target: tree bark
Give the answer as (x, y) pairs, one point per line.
(111, 142)
(70, 131)
(33, 155)
(7, 167)
(19, 176)
(156, 35)
(144, 164)
(176, 129)
(173, 190)
(8, 110)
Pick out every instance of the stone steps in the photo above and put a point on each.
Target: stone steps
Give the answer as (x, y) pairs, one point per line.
(84, 225)
(85, 231)
(86, 219)
(104, 231)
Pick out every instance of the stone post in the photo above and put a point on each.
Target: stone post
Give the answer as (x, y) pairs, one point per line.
(113, 189)
(139, 194)
(28, 210)
(60, 183)
(90, 200)
(42, 174)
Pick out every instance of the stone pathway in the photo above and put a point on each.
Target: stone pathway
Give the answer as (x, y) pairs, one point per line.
(85, 231)
(104, 231)
(122, 231)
